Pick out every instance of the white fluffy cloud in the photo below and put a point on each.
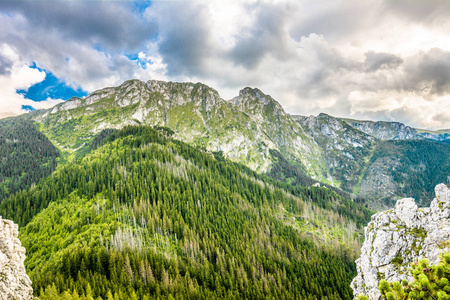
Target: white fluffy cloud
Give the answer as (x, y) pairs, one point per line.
(18, 77)
(411, 107)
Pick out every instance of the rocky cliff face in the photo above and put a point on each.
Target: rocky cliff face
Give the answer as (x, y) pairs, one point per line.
(345, 149)
(244, 129)
(438, 135)
(385, 130)
(397, 237)
(14, 282)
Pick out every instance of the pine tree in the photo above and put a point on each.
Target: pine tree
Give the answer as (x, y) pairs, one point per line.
(430, 282)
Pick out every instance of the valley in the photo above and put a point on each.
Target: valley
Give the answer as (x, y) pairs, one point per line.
(166, 190)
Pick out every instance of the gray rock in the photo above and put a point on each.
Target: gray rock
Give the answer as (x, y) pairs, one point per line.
(385, 130)
(400, 236)
(14, 281)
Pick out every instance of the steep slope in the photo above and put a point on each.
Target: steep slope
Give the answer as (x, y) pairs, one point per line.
(26, 155)
(144, 215)
(385, 130)
(195, 112)
(442, 135)
(400, 236)
(346, 150)
(401, 168)
(377, 170)
(290, 139)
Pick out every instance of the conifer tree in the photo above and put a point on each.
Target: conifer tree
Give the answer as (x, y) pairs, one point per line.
(430, 282)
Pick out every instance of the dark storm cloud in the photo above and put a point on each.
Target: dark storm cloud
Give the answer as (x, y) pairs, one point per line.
(265, 36)
(429, 72)
(184, 39)
(430, 11)
(5, 65)
(378, 60)
(111, 25)
(321, 68)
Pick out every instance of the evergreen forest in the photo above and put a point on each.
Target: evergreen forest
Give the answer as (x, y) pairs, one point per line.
(417, 166)
(137, 214)
(26, 155)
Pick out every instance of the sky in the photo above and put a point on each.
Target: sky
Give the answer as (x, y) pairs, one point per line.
(372, 59)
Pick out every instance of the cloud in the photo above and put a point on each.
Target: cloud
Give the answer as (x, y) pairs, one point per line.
(429, 72)
(5, 65)
(376, 60)
(411, 108)
(335, 20)
(431, 12)
(108, 24)
(21, 77)
(347, 57)
(185, 42)
(380, 101)
(84, 43)
(265, 35)
(416, 92)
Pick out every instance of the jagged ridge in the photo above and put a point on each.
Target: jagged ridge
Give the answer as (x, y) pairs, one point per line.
(250, 127)
(196, 113)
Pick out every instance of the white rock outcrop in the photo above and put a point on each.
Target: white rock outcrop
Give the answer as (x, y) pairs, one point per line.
(400, 236)
(14, 281)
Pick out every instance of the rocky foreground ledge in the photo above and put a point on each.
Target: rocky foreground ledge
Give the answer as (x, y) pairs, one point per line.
(400, 236)
(14, 281)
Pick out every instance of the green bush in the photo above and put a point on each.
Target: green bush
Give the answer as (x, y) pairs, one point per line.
(430, 282)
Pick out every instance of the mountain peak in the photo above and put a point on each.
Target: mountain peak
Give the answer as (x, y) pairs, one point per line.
(255, 93)
(253, 101)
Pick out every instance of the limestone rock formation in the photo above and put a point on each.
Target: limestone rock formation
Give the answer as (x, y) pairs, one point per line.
(14, 282)
(385, 130)
(400, 236)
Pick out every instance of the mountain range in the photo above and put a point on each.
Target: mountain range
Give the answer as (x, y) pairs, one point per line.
(166, 190)
(369, 160)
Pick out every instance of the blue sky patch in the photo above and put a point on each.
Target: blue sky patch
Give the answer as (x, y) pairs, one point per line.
(135, 57)
(50, 87)
(28, 108)
(141, 6)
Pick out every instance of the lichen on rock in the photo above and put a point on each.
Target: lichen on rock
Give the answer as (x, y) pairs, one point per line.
(14, 281)
(400, 236)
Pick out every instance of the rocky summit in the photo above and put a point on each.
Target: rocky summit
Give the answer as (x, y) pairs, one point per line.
(14, 281)
(400, 236)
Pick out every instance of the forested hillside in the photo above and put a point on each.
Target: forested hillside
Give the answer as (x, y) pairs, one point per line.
(141, 215)
(26, 155)
(407, 168)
